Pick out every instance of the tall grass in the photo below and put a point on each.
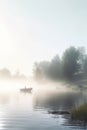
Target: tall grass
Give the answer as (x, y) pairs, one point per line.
(80, 114)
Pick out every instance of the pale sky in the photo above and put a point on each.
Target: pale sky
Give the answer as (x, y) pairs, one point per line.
(34, 30)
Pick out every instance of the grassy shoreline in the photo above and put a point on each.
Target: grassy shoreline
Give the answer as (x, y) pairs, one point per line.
(80, 114)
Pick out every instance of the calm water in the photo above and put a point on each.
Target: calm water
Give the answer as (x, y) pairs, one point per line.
(19, 111)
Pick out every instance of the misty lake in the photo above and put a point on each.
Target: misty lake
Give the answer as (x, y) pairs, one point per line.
(20, 111)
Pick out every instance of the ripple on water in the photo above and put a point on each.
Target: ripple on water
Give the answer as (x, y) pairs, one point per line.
(20, 113)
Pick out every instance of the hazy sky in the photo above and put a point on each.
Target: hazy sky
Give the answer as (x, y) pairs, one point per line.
(34, 30)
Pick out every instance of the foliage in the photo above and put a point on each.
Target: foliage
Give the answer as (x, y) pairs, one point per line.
(70, 64)
(80, 113)
(73, 64)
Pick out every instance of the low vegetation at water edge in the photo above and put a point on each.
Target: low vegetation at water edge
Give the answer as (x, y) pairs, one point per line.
(80, 114)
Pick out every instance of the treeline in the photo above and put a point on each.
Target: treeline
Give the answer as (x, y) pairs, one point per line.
(7, 75)
(71, 66)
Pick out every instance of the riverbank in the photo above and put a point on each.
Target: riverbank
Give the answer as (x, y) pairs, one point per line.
(80, 114)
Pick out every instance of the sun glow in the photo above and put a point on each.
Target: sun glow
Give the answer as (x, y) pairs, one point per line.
(8, 86)
(5, 38)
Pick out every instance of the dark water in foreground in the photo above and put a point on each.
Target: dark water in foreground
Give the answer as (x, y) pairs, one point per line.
(19, 111)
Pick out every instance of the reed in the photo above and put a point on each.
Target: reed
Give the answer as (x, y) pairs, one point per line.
(80, 114)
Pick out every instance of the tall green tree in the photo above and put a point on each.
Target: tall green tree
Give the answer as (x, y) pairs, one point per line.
(55, 68)
(85, 66)
(70, 64)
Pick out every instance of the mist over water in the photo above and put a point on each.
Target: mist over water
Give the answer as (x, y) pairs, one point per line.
(43, 64)
(23, 111)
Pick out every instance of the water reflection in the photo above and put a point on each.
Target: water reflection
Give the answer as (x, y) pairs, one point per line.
(59, 101)
(62, 101)
(20, 111)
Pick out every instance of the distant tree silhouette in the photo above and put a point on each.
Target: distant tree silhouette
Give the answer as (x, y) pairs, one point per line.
(70, 64)
(46, 69)
(73, 64)
(5, 73)
(37, 71)
(85, 66)
(54, 70)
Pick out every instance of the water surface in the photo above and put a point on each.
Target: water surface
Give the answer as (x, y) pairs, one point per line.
(20, 111)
